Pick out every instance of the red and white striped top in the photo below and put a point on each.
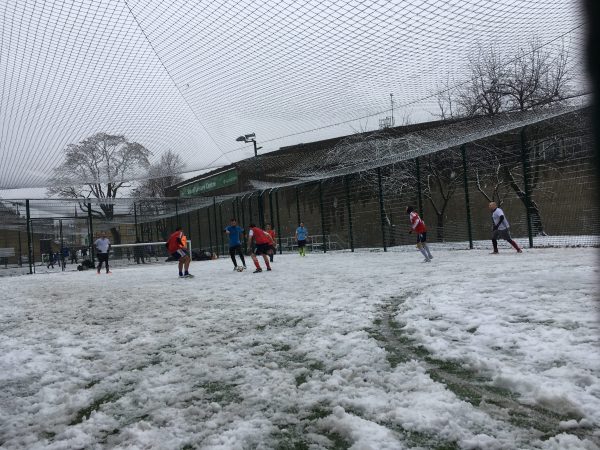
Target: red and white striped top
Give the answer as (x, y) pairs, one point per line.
(417, 223)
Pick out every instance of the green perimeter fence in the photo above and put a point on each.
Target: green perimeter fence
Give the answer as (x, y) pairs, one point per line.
(543, 177)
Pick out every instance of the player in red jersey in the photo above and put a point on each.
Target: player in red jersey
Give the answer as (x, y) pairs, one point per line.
(259, 243)
(418, 226)
(176, 245)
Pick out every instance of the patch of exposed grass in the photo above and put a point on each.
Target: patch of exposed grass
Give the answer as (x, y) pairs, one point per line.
(281, 347)
(46, 435)
(91, 384)
(85, 413)
(220, 392)
(294, 436)
(467, 384)
(301, 379)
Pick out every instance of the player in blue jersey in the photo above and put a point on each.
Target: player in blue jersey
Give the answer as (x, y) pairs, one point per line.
(301, 237)
(234, 232)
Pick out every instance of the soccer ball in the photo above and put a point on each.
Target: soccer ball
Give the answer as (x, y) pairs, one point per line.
(240, 268)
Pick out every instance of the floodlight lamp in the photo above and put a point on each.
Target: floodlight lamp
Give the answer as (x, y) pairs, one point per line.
(241, 139)
(251, 135)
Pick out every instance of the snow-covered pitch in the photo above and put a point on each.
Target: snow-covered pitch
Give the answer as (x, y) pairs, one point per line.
(340, 350)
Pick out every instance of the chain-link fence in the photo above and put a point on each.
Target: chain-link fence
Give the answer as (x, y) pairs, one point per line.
(542, 176)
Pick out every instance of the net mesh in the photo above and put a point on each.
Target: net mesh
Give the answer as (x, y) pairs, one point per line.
(172, 76)
(179, 75)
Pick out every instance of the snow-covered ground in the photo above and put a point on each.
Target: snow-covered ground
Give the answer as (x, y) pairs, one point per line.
(342, 350)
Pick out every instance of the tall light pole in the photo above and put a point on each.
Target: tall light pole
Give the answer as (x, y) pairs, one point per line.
(251, 137)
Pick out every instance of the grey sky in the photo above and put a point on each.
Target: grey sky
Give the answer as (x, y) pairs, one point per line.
(191, 76)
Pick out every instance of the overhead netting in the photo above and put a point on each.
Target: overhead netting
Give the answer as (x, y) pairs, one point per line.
(191, 76)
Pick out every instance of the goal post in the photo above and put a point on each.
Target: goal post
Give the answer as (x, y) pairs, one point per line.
(142, 252)
(146, 244)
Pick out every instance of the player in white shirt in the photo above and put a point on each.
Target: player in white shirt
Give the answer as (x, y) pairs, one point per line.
(501, 228)
(102, 245)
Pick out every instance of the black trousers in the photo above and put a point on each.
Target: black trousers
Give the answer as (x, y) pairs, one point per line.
(102, 258)
(232, 252)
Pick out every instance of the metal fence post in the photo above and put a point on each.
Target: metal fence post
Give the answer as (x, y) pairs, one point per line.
(90, 232)
(381, 208)
(271, 209)
(349, 208)
(220, 232)
(250, 219)
(525, 162)
(20, 249)
(62, 246)
(278, 221)
(209, 228)
(177, 213)
(199, 232)
(244, 224)
(137, 237)
(419, 195)
(29, 238)
(323, 231)
(463, 150)
(297, 206)
(217, 234)
(189, 225)
(261, 212)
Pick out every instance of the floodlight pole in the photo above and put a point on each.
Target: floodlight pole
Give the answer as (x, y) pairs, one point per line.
(247, 138)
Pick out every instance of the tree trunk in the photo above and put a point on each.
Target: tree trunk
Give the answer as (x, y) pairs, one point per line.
(440, 227)
(536, 220)
(537, 226)
(116, 239)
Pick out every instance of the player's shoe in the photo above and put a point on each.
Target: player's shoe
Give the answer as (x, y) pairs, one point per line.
(236, 269)
(259, 270)
(494, 253)
(519, 251)
(188, 275)
(108, 273)
(268, 269)
(426, 260)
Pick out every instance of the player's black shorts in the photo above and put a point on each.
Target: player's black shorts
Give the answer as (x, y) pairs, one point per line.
(302, 243)
(501, 234)
(262, 249)
(179, 254)
(102, 257)
(422, 237)
(235, 249)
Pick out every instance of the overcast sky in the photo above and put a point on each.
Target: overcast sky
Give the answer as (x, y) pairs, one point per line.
(191, 76)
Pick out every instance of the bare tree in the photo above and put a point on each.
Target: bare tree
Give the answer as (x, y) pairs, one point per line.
(99, 167)
(152, 191)
(160, 176)
(533, 77)
(498, 164)
(482, 94)
(537, 76)
(444, 94)
(440, 171)
(441, 175)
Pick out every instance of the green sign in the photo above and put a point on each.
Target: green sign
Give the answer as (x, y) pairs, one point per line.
(218, 181)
